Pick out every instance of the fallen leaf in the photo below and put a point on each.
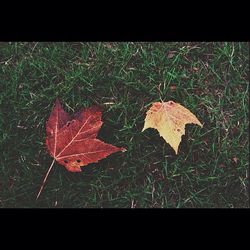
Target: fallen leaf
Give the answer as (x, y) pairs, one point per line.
(72, 142)
(235, 159)
(169, 118)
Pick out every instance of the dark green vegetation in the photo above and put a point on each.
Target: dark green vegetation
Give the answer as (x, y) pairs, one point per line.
(210, 79)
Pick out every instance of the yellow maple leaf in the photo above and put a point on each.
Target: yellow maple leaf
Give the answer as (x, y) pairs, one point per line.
(169, 118)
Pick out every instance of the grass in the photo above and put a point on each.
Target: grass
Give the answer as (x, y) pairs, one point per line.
(210, 79)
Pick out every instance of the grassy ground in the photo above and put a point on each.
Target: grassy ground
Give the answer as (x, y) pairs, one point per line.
(210, 79)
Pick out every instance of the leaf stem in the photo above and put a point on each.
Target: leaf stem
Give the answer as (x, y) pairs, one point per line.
(45, 178)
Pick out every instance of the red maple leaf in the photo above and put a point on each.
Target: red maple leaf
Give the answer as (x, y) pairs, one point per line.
(72, 142)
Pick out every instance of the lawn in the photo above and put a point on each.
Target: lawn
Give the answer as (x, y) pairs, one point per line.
(208, 78)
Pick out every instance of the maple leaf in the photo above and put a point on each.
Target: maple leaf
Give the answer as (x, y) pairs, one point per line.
(73, 143)
(169, 118)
